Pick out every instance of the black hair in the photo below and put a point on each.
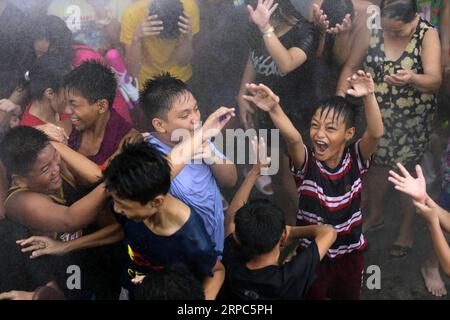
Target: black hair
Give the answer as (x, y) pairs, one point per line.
(9, 81)
(159, 94)
(55, 31)
(259, 225)
(93, 81)
(168, 12)
(175, 282)
(47, 72)
(336, 10)
(140, 173)
(340, 107)
(403, 10)
(20, 148)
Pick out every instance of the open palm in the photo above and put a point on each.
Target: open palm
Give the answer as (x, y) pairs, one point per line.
(262, 13)
(414, 187)
(361, 83)
(262, 97)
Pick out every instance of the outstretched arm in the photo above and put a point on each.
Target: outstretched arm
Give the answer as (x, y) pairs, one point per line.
(43, 246)
(437, 218)
(78, 164)
(362, 86)
(324, 236)
(186, 150)
(242, 195)
(267, 101)
(286, 59)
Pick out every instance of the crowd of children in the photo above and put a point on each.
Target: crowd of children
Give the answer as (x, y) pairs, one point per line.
(112, 187)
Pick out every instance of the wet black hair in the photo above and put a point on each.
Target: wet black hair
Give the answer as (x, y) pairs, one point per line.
(340, 107)
(93, 81)
(403, 10)
(159, 94)
(55, 31)
(47, 72)
(336, 10)
(168, 12)
(175, 282)
(259, 225)
(140, 173)
(20, 148)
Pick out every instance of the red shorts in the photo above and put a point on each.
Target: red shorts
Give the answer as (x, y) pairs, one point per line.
(339, 279)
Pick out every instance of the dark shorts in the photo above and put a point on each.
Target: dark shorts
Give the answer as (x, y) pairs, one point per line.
(340, 279)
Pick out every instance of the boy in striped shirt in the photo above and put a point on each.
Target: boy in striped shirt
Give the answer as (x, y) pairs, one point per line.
(328, 177)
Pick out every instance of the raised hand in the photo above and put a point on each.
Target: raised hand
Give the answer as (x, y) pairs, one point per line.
(262, 13)
(320, 19)
(245, 111)
(362, 84)
(262, 97)
(217, 121)
(185, 26)
(414, 187)
(151, 26)
(262, 160)
(42, 246)
(341, 27)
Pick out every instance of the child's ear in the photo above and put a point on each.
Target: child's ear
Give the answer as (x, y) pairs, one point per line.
(349, 134)
(159, 125)
(18, 181)
(157, 202)
(49, 93)
(103, 106)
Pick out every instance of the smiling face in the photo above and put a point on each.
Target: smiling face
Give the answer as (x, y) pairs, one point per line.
(183, 114)
(329, 136)
(44, 176)
(83, 114)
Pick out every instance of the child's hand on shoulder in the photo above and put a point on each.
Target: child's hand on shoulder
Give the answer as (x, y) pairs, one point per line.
(362, 84)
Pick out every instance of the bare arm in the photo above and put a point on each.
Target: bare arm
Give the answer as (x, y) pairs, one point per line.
(184, 51)
(433, 214)
(78, 164)
(363, 86)
(245, 109)
(431, 79)
(324, 236)
(225, 173)
(358, 52)
(267, 101)
(239, 199)
(133, 38)
(212, 285)
(186, 150)
(3, 190)
(286, 59)
(38, 212)
(42, 246)
(242, 195)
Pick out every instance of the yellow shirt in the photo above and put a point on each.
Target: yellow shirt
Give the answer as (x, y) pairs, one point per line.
(158, 52)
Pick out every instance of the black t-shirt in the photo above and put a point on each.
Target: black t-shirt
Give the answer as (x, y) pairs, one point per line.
(289, 281)
(147, 251)
(296, 88)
